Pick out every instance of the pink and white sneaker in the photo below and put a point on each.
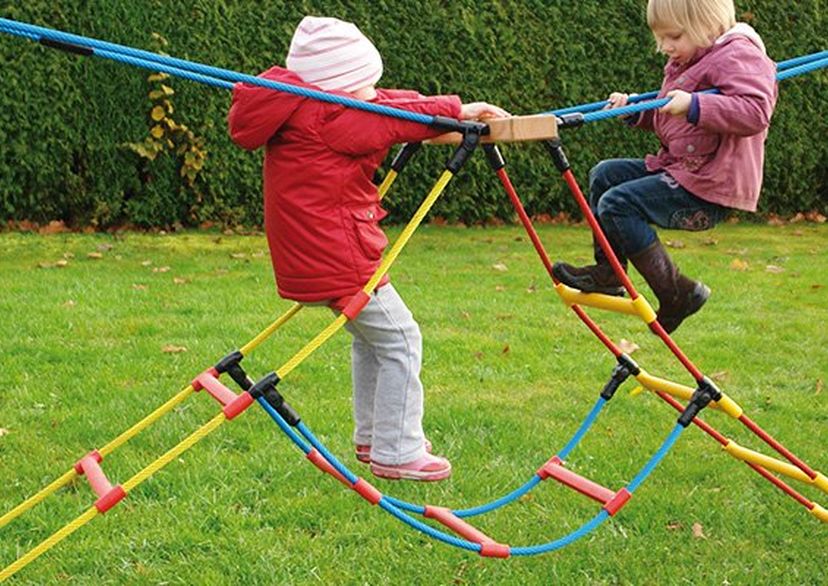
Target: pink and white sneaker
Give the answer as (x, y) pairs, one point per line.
(425, 469)
(363, 452)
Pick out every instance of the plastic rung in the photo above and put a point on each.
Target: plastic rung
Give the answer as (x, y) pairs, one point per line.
(554, 469)
(207, 380)
(619, 500)
(110, 499)
(320, 462)
(238, 405)
(95, 475)
(489, 547)
(355, 305)
(94, 454)
(367, 491)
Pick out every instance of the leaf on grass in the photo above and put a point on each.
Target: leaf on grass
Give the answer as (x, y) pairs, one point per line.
(698, 531)
(68, 255)
(710, 241)
(739, 265)
(532, 288)
(506, 349)
(259, 254)
(676, 244)
(627, 346)
(180, 281)
(720, 376)
(500, 267)
(478, 355)
(4, 431)
(674, 525)
(70, 303)
(146, 263)
(819, 385)
(173, 349)
(500, 288)
(465, 315)
(238, 255)
(94, 256)
(139, 287)
(775, 269)
(62, 263)
(161, 270)
(105, 247)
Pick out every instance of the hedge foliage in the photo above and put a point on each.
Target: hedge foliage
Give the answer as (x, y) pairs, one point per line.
(66, 122)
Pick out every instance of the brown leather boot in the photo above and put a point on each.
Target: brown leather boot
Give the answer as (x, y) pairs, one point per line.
(597, 278)
(678, 296)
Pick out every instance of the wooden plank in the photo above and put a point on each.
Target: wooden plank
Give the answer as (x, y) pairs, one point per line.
(514, 129)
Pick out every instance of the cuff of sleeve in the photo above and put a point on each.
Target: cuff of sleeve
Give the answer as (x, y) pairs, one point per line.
(695, 110)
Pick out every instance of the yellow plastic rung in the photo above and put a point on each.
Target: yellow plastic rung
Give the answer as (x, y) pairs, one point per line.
(767, 462)
(684, 392)
(644, 310)
(820, 513)
(572, 297)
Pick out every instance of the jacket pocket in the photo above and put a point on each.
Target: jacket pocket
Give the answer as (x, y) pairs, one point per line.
(369, 235)
(694, 151)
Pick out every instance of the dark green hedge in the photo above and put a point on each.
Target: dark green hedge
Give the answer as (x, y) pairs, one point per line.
(64, 120)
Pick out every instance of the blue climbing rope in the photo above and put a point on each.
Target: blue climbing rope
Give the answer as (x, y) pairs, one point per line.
(199, 72)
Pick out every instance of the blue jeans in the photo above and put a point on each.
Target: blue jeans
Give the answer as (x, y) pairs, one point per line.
(627, 199)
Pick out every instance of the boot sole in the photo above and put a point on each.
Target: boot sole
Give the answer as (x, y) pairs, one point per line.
(700, 295)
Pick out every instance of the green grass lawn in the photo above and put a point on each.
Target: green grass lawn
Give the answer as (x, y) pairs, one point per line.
(509, 374)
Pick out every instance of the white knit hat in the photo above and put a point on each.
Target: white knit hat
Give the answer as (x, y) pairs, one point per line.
(333, 55)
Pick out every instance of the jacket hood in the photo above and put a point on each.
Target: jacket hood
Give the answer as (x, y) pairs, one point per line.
(742, 29)
(257, 113)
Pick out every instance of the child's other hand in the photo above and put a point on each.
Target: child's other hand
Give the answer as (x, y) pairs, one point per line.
(618, 100)
(482, 111)
(679, 105)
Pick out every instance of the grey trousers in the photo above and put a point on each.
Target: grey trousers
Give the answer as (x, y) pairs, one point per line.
(386, 356)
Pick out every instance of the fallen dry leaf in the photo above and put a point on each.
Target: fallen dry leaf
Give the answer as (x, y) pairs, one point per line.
(139, 287)
(70, 303)
(238, 255)
(676, 244)
(180, 281)
(161, 270)
(628, 347)
(720, 376)
(698, 531)
(4, 431)
(819, 385)
(674, 525)
(146, 263)
(94, 256)
(500, 267)
(532, 288)
(506, 349)
(739, 265)
(68, 255)
(500, 288)
(775, 269)
(105, 247)
(465, 315)
(173, 349)
(710, 242)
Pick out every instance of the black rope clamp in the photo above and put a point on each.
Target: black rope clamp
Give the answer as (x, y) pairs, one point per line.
(702, 396)
(558, 155)
(573, 120)
(231, 365)
(404, 155)
(471, 139)
(266, 388)
(626, 366)
(68, 47)
(494, 156)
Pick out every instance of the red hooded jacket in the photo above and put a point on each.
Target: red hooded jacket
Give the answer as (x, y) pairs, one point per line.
(322, 209)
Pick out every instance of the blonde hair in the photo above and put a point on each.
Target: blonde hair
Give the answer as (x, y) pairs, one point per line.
(702, 20)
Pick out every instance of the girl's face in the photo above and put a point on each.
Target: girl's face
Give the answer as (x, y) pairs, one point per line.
(675, 43)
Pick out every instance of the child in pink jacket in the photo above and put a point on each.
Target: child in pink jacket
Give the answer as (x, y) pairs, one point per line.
(711, 156)
(322, 215)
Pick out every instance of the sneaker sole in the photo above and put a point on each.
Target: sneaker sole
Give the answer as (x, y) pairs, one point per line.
(394, 473)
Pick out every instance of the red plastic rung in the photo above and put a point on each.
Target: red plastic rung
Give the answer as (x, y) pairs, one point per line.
(95, 475)
(355, 305)
(208, 380)
(367, 491)
(95, 454)
(320, 462)
(238, 405)
(554, 469)
(110, 499)
(616, 502)
(489, 547)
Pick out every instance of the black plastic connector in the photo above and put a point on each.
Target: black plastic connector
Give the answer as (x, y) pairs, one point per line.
(401, 159)
(462, 126)
(558, 156)
(702, 396)
(573, 120)
(619, 374)
(231, 365)
(630, 364)
(471, 140)
(68, 47)
(266, 388)
(494, 156)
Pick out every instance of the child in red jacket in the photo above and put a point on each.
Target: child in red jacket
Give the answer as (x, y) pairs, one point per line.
(322, 215)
